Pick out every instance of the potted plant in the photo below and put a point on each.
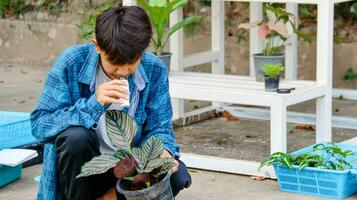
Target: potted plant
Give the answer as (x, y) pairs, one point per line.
(159, 12)
(274, 29)
(272, 76)
(141, 173)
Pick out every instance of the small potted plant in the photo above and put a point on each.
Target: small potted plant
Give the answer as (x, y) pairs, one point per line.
(272, 76)
(159, 12)
(141, 173)
(274, 29)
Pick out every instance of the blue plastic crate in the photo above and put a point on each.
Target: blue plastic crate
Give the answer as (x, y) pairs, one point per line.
(9, 174)
(15, 130)
(318, 182)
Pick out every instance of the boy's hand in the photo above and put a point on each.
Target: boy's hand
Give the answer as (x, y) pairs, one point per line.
(164, 154)
(112, 92)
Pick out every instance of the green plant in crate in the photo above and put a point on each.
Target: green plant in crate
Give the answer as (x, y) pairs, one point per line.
(142, 166)
(159, 11)
(323, 156)
(272, 70)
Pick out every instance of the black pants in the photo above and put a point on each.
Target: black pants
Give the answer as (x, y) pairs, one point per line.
(77, 145)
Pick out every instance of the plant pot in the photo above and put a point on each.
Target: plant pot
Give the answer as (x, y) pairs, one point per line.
(166, 58)
(271, 83)
(260, 60)
(161, 190)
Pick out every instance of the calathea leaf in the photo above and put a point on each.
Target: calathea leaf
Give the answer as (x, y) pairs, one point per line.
(139, 156)
(125, 168)
(98, 165)
(152, 149)
(164, 168)
(121, 128)
(121, 154)
(158, 162)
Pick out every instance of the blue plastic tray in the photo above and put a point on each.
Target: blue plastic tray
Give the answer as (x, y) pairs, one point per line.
(15, 130)
(9, 174)
(319, 182)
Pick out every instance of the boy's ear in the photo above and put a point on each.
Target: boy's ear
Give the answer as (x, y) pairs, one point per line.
(97, 48)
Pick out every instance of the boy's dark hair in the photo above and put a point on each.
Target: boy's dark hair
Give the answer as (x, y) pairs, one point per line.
(123, 33)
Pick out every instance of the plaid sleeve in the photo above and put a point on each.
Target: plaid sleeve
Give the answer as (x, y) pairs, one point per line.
(159, 111)
(55, 112)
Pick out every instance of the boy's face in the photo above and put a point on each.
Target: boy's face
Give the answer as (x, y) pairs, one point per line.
(115, 71)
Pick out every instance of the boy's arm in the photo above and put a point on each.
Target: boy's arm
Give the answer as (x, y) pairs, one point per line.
(55, 112)
(159, 112)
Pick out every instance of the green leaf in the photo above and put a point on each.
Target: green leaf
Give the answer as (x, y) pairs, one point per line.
(164, 168)
(272, 70)
(157, 3)
(151, 149)
(174, 5)
(156, 163)
(187, 21)
(121, 129)
(121, 154)
(139, 156)
(98, 165)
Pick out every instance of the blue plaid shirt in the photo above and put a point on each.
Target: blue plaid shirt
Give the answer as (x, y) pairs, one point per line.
(69, 100)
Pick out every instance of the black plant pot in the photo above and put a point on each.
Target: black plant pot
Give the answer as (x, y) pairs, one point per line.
(271, 83)
(159, 191)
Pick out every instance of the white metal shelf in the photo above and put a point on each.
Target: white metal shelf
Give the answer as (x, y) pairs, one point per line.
(244, 90)
(238, 89)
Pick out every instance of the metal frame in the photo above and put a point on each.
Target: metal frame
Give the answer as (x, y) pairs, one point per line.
(184, 85)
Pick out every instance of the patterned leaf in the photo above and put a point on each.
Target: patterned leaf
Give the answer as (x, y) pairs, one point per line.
(121, 155)
(165, 167)
(156, 163)
(152, 149)
(98, 165)
(121, 128)
(139, 157)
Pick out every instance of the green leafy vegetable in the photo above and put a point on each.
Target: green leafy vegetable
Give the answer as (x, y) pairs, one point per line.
(324, 156)
(272, 70)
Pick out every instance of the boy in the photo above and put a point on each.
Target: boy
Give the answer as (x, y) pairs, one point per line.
(85, 81)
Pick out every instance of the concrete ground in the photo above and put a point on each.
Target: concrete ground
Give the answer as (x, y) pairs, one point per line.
(206, 186)
(20, 87)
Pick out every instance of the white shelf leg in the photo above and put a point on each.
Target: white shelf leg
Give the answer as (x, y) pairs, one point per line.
(129, 2)
(278, 135)
(176, 47)
(291, 51)
(324, 70)
(217, 39)
(255, 43)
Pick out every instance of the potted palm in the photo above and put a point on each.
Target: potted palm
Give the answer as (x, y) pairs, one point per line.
(141, 173)
(272, 75)
(159, 12)
(274, 29)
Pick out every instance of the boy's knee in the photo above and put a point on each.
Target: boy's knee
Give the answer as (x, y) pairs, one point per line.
(76, 140)
(180, 179)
